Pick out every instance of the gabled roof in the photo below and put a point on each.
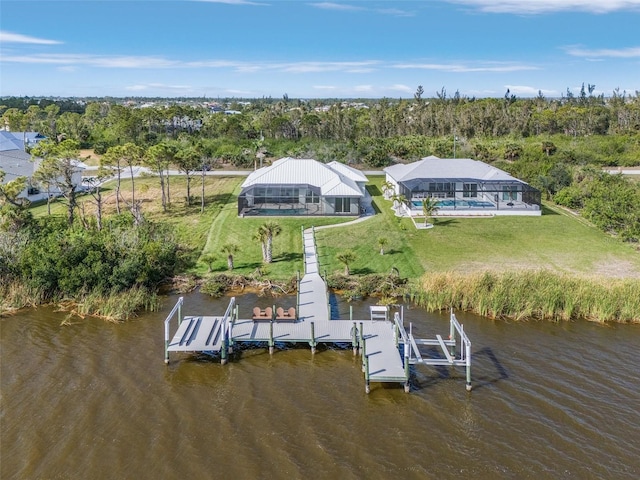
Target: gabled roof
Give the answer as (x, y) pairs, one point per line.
(293, 171)
(16, 140)
(448, 169)
(9, 141)
(347, 171)
(16, 163)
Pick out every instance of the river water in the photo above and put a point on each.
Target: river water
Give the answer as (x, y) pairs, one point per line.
(94, 400)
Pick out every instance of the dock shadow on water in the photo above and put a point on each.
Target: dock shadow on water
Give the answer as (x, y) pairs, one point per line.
(95, 400)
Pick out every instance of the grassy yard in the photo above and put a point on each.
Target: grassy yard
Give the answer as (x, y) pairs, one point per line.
(556, 241)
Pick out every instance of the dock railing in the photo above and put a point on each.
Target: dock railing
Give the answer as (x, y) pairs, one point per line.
(401, 337)
(465, 346)
(177, 308)
(227, 330)
(448, 347)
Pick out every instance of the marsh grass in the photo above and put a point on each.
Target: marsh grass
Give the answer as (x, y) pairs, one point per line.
(531, 294)
(16, 295)
(117, 307)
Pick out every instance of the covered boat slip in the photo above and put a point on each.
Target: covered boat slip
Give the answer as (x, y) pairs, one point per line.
(387, 349)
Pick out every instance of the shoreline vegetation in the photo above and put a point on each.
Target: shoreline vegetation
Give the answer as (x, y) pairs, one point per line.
(531, 295)
(130, 238)
(436, 269)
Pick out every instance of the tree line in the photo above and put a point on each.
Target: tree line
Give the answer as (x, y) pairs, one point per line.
(556, 145)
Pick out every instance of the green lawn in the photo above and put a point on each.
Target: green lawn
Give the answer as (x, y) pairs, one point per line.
(556, 240)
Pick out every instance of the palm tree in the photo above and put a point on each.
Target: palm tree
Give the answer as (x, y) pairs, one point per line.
(346, 257)
(265, 233)
(387, 188)
(209, 259)
(382, 242)
(260, 236)
(429, 209)
(398, 201)
(230, 249)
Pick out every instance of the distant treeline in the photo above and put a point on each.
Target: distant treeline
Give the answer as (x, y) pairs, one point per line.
(554, 144)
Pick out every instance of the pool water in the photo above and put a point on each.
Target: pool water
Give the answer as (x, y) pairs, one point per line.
(283, 211)
(457, 204)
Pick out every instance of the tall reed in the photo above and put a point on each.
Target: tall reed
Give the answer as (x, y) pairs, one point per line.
(117, 307)
(531, 294)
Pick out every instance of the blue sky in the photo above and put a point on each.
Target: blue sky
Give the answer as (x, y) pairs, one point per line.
(314, 49)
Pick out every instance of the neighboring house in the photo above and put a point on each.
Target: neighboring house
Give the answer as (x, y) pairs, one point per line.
(462, 187)
(15, 162)
(302, 187)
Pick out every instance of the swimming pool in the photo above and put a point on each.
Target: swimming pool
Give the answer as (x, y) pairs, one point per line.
(279, 211)
(445, 204)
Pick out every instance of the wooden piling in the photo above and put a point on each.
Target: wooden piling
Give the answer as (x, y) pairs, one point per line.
(313, 338)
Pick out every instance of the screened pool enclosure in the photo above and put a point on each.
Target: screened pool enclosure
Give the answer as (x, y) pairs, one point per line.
(294, 200)
(292, 186)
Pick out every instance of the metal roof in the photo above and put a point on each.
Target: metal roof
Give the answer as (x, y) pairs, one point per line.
(448, 169)
(16, 163)
(347, 171)
(293, 171)
(9, 141)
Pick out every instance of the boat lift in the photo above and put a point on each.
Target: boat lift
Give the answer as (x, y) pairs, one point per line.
(456, 350)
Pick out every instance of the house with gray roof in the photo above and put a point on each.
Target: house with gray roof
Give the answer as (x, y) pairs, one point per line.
(292, 186)
(461, 187)
(16, 163)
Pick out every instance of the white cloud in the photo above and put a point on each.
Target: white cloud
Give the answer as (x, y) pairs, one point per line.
(395, 12)
(146, 62)
(352, 8)
(546, 6)
(159, 87)
(363, 88)
(8, 37)
(461, 68)
(315, 67)
(401, 88)
(529, 91)
(630, 52)
(336, 6)
(93, 60)
(234, 2)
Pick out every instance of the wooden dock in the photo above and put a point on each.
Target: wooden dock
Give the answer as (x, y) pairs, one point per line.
(386, 348)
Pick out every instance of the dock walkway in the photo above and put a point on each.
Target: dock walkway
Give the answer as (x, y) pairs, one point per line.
(387, 350)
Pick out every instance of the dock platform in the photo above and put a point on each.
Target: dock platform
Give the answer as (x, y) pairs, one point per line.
(387, 349)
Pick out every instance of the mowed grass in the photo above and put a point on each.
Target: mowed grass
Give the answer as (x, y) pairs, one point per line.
(227, 228)
(556, 241)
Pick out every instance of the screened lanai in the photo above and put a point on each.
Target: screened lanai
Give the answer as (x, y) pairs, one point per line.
(462, 186)
(302, 187)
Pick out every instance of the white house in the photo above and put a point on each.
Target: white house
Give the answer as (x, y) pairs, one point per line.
(462, 186)
(15, 163)
(293, 186)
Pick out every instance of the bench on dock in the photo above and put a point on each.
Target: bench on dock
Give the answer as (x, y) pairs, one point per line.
(283, 315)
(260, 315)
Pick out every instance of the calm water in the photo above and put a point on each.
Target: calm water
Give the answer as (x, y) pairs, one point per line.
(94, 400)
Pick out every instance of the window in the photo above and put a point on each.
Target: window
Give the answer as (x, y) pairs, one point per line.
(470, 190)
(509, 192)
(442, 189)
(312, 197)
(343, 205)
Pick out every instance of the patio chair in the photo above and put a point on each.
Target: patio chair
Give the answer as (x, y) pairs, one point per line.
(283, 315)
(260, 315)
